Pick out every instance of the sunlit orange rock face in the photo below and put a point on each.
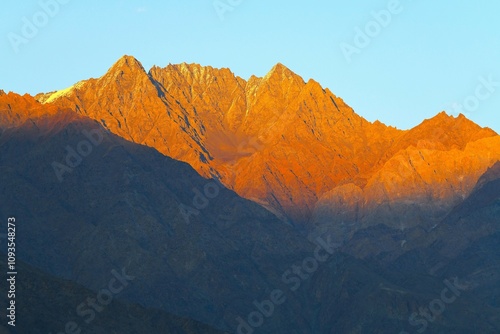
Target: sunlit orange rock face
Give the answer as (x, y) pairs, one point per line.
(16, 110)
(290, 145)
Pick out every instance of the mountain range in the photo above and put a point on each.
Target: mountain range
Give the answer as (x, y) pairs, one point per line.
(279, 141)
(210, 190)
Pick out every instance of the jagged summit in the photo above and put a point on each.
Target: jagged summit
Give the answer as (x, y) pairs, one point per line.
(191, 73)
(440, 119)
(443, 116)
(452, 132)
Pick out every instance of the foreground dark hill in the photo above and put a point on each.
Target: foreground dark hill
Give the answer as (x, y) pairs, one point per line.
(464, 244)
(47, 304)
(193, 248)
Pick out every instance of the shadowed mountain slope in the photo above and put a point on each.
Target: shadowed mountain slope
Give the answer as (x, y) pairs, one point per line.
(47, 304)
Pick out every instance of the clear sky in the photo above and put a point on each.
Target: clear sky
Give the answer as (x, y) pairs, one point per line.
(424, 57)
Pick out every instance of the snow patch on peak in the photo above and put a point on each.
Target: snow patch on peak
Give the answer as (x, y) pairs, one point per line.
(64, 92)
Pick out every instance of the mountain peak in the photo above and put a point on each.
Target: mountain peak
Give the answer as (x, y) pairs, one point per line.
(282, 72)
(447, 132)
(128, 62)
(194, 70)
(280, 67)
(443, 114)
(443, 117)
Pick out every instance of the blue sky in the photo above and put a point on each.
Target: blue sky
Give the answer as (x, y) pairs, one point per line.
(422, 58)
